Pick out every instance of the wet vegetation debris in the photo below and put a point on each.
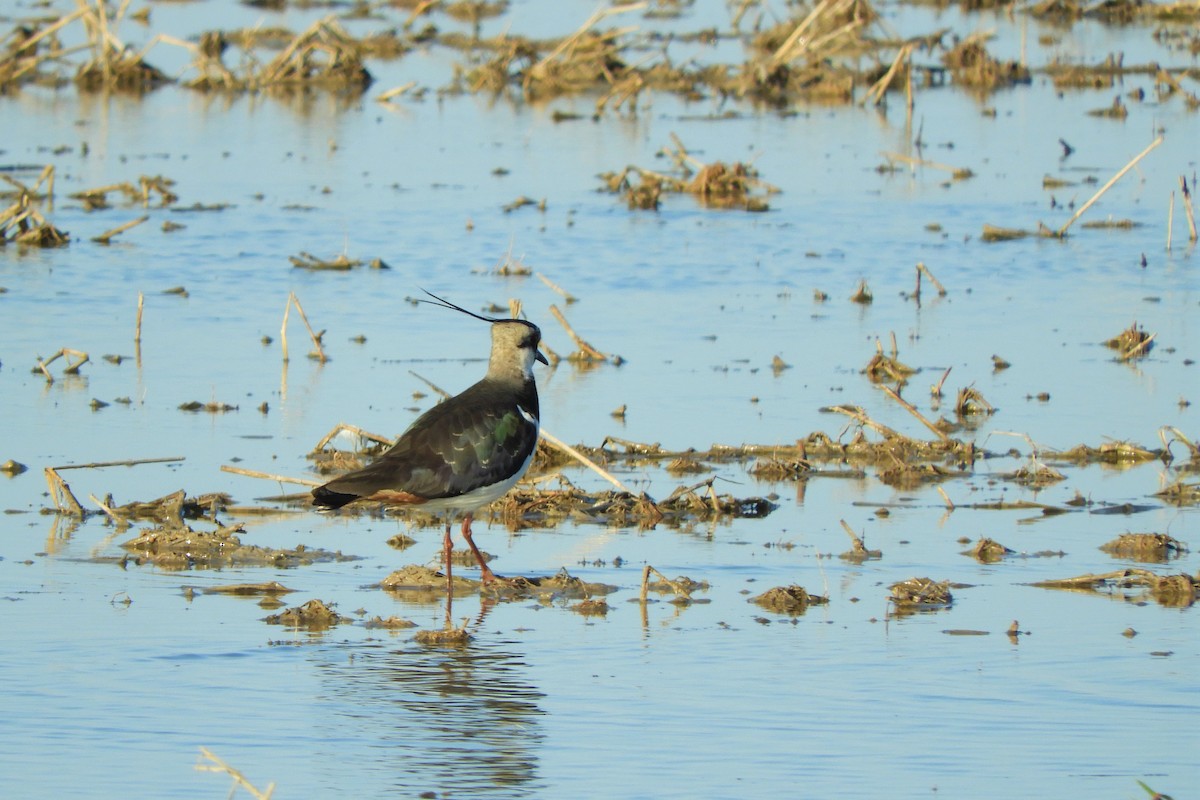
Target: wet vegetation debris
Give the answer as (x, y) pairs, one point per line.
(561, 585)
(971, 401)
(858, 552)
(147, 186)
(448, 636)
(779, 469)
(267, 588)
(1133, 585)
(315, 615)
(323, 56)
(424, 584)
(1133, 342)
(887, 369)
(593, 607)
(169, 510)
(681, 588)
(793, 600)
(211, 407)
(989, 551)
(66, 354)
(1181, 493)
(1107, 453)
(920, 594)
(392, 623)
(1147, 547)
(714, 184)
(339, 263)
(22, 223)
(863, 294)
(1036, 474)
(11, 468)
(972, 66)
(184, 548)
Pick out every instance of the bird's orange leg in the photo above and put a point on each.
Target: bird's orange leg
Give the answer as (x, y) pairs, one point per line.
(486, 574)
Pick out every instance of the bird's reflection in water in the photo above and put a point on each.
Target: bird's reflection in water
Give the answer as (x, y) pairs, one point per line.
(452, 719)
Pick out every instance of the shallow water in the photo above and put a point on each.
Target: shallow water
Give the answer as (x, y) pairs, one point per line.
(114, 678)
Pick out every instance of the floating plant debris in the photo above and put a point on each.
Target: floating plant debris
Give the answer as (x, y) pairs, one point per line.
(1151, 547)
(788, 600)
(1131, 343)
(920, 594)
(1168, 590)
(315, 615)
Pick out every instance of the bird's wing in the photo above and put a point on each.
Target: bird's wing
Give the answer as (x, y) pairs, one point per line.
(476, 439)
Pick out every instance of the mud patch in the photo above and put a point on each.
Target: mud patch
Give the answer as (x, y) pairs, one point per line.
(424, 585)
(314, 615)
(184, 548)
(268, 588)
(392, 623)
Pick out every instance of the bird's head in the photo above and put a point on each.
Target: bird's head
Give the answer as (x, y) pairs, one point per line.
(514, 342)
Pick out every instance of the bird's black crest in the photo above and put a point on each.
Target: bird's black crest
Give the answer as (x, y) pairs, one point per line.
(441, 302)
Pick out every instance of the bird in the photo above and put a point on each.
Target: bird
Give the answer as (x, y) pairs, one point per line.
(465, 452)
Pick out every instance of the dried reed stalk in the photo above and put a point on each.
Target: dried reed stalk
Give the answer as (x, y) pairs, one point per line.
(582, 459)
(855, 539)
(238, 778)
(538, 71)
(128, 462)
(796, 44)
(318, 353)
(60, 492)
(554, 287)
(1170, 220)
(1063, 230)
(342, 427)
(64, 353)
(881, 86)
(949, 503)
(675, 586)
(585, 348)
(108, 235)
(250, 473)
(910, 408)
(957, 173)
(921, 268)
(861, 417)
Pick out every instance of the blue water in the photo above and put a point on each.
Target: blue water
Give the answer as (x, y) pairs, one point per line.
(113, 678)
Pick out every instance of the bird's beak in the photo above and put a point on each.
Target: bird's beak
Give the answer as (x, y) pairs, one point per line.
(537, 354)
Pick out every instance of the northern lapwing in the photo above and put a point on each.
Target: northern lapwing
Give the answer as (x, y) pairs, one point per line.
(464, 452)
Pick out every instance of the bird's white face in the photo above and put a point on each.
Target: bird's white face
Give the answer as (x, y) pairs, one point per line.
(514, 349)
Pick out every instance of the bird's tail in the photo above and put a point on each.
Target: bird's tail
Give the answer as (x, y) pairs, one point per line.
(326, 499)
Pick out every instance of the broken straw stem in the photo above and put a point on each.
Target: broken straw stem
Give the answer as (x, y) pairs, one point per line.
(129, 462)
(1063, 230)
(582, 459)
(912, 410)
(250, 473)
(584, 346)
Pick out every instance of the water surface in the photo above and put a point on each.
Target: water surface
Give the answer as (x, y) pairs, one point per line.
(114, 678)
